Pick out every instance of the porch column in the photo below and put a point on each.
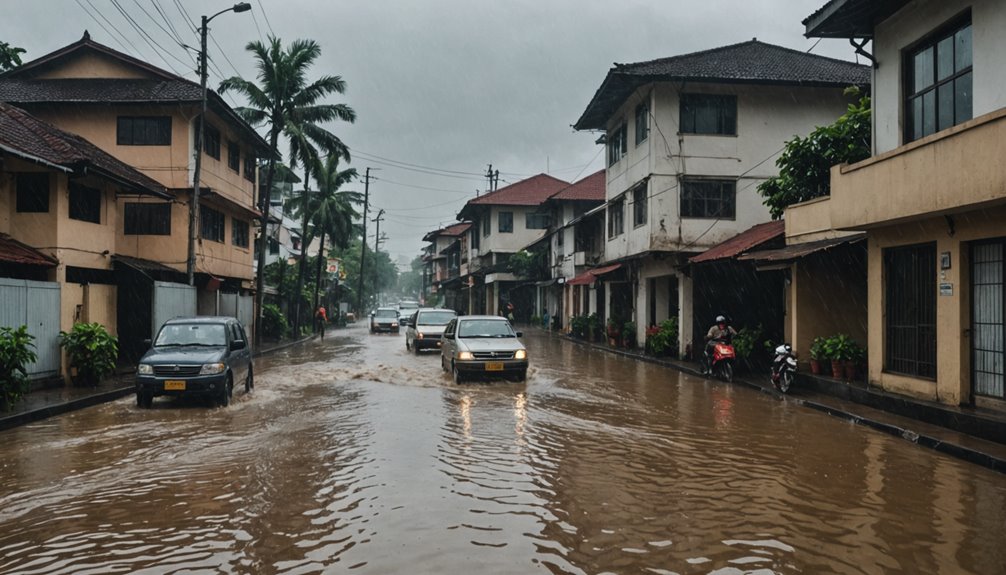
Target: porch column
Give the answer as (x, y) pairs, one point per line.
(684, 314)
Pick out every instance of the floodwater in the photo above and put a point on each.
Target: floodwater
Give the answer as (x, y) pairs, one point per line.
(352, 456)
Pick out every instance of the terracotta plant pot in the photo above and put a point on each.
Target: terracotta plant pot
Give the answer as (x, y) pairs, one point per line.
(815, 366)
(850, 370)
(837, 368)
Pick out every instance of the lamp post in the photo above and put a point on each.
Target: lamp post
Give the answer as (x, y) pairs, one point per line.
(200, 138)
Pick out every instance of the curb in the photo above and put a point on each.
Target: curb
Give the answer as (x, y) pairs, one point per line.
(283, 346)
(957, 451)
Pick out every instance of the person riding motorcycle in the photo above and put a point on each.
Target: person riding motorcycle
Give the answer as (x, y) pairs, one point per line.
(721, 330)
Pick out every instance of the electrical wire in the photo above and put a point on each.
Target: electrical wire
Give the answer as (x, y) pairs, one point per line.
(266, 16)
(386, 181)
(148, 39)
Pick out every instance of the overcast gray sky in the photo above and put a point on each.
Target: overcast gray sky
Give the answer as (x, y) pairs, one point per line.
(447, 86)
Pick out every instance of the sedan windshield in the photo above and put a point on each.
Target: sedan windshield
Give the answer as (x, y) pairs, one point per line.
(485, 328)
(386, 313)
(435, 317)
(201, 334)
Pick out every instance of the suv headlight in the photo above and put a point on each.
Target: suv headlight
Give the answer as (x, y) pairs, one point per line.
(419, 335)
(465, 356)
(520, 354)
(144, 369)
(212, 369)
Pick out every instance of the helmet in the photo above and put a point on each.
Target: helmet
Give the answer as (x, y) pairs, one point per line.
(721, 319)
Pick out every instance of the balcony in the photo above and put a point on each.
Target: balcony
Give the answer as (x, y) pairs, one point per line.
(951, 171)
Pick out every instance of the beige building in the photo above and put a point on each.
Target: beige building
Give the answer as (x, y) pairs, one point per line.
(931, 201)
(148, 118)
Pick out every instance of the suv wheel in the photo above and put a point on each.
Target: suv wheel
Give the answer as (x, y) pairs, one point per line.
(458, 378)
(225, 394)
(250, 380)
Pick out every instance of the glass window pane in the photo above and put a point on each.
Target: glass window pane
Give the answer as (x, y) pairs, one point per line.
(962, 98)
(945, 58)
(929, 113)
(916, 118)
(946, 106)
(962, 53)
(923, 69)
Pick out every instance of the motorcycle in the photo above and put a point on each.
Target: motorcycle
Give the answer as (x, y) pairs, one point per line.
(783, 367)
(722, 361)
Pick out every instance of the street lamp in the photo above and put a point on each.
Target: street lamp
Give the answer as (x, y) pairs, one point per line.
(194, 204)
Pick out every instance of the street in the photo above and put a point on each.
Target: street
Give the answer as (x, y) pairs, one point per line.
(354, 455)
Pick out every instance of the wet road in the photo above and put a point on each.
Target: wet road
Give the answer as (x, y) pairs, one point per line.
(352, 456)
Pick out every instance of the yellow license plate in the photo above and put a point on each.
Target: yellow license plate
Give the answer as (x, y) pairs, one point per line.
(494, 366)
(174, 385)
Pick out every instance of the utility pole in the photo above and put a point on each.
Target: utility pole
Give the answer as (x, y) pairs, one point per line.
(377, 241)
(363, 242)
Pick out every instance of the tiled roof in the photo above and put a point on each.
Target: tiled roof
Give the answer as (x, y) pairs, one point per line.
(742, 242)
(797, 251)
(850, 18)
(590, 188)
(24, 135)
(751, 62)
(13, 251)
(144, 265)
(530, 192)
(452, 230)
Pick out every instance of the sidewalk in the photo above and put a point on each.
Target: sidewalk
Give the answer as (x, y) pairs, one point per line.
(973, 435)
(51, 401)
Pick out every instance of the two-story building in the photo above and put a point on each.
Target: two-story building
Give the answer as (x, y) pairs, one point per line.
(688, 140)
(148, 118)
(504, 222)
(441, 264)
(931, 200)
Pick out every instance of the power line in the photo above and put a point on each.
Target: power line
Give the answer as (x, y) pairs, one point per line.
(174, 37)
(121, 35)
(103, 27)
(164, 16)
(148, 39)
(419, 166)
(386, 181)
(266, 16)
(255, 20)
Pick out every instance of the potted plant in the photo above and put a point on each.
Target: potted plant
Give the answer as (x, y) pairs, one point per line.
(614, 330)
(817, 355)
(16, 354)
(843, 350)
(593, 323)
(92, 352)
(856, 354)
(629, 334)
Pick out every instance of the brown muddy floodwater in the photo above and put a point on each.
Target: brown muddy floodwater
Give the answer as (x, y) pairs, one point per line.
(352, 456)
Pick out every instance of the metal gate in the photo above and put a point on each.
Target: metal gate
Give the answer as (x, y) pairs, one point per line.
(36, 305)
(239, 306)
(171, 300)
(988, 325)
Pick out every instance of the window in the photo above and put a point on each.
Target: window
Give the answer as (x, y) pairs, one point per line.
(616, 217)
(239, 233)
(85, 203)
(708, 199)
(505, 222)
(233, 156)
(642, 122)
(939, 82)
(147, 219)
(560, 240)
(486, 224)
(33, 193)
(617, 144)
(211, 143)
(475, 235)
(910, 294)
(273, 246)
(143, 131)
(708, 114)
(212, 224)
(639, 205)
(536, 221)
(250, 164)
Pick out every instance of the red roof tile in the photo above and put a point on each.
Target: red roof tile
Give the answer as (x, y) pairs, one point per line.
(530, 192)
(456, 229)
(590, 276)
(742, 242)
(13, 251)
(590, 188)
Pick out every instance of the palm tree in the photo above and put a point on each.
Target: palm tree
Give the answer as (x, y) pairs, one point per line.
(289, 104)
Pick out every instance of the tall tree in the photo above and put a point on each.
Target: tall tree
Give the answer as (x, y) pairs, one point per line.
(286, 101)
(10, 56)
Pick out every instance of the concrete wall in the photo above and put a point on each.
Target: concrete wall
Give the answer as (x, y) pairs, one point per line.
(911, 24)
(512, 242)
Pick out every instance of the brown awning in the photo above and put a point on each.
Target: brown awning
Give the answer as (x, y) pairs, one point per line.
(590, 276)
(15, 252)
(742, 242)
(797, 251)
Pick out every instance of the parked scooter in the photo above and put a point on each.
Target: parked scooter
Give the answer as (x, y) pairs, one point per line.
(721, 364)
(783, 367)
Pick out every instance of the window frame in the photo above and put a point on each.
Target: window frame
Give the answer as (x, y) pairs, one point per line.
(156, 125)
(910, 95)
(642, 121)
(251, 163)
(141, 219)
(84, 203)
(640, 214)
(923, 268)
(536, 220)
(499, 222)
(234, 156)
(211, 141)
(209, 219)
(240, 239)
(617, 142)
(722, 182)
(33, 203)
(616, 225)
(726, 123)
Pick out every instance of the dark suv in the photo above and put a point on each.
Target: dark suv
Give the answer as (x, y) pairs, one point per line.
(196, 356)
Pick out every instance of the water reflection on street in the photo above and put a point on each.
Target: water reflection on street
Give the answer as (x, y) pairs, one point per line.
(354, 455)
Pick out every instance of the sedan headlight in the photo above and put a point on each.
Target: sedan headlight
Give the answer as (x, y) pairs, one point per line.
(465, 356)
(393, 324)
(419, 335)
(212, 369)
(520, 354)
(144, 369)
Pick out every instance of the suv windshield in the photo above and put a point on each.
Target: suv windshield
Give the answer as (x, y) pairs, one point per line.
(204, 334)
(386, 313)
(435, 317)
(485, 328)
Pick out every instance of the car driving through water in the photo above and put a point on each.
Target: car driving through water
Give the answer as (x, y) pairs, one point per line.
(425, 327)
(482, 345)
(384, 319)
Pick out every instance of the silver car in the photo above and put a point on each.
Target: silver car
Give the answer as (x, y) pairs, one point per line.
(482, 345)
(425, 327)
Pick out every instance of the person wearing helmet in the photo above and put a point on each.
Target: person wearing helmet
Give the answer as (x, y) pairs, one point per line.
(721, 331)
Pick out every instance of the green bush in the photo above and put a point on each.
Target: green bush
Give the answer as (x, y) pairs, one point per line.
(817, 349)
(92, 350)
(274, 324)
(663, 339)
(16, 354)
(578, 326)
(745, 341)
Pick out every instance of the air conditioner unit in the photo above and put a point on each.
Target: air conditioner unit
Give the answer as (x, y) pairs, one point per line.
(579, 258)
